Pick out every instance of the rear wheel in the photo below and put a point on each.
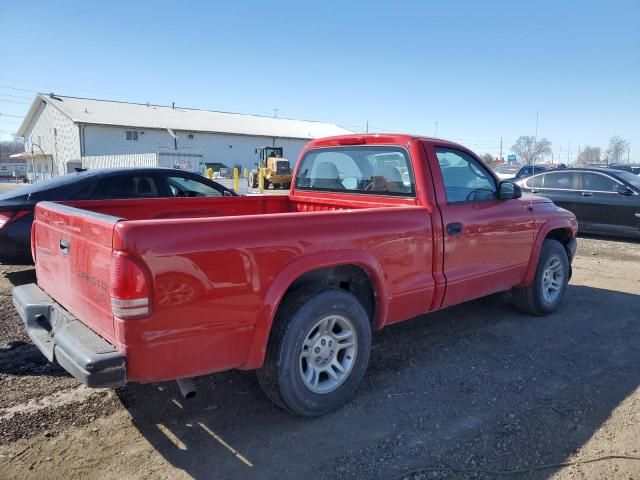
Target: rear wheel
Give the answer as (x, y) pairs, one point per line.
(266, 184)
(550, 282)
(318, 352)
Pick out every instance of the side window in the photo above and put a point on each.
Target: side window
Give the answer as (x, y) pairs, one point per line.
(465, 180)
(180, 186)
(124, 187)
(534, 182)
(560, 180)
(598, 182)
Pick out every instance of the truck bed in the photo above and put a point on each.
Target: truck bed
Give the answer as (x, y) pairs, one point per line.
(163, 208)
(217, 266)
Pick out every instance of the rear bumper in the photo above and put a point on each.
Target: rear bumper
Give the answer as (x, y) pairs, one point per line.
(62, 338)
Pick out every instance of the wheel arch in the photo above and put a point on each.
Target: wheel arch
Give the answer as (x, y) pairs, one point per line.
(561, 231)
(324, 270)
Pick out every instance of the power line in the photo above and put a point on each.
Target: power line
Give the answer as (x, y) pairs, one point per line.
(18, 89)
(14, 101)
(10, 115)
(14, 96)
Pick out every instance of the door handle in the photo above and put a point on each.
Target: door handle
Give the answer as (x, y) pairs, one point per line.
(586, 194)
(65, 246)
(454, 228)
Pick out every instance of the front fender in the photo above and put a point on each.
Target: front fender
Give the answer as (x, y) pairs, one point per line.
(295, 270)
(567, 224)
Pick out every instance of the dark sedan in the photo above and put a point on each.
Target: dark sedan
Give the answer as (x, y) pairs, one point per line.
(16, 207)
(605, 201)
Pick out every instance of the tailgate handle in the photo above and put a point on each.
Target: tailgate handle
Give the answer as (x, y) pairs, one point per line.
(65, 246)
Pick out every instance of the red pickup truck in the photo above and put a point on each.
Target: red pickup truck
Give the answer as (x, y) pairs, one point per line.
(376, 229)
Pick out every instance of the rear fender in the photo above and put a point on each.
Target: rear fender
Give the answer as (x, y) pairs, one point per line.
(295, 270)
(562, 224)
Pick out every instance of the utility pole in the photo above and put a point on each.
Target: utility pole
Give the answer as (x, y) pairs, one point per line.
(628, 153)
(275, 113)
(435, 135)
(500, 157)
(568, 151)
(367, 126)
(536, 137)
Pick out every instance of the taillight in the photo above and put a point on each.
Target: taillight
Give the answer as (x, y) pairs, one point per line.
(11, 216)
(129, 288)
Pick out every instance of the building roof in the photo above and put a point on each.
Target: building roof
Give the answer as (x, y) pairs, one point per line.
(140, 115)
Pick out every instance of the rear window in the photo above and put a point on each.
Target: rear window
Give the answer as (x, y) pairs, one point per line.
(373, 170)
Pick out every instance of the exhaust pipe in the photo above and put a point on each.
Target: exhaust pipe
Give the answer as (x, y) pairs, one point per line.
(187, 387)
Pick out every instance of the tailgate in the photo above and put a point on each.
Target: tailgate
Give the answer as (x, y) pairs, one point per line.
(73, 258)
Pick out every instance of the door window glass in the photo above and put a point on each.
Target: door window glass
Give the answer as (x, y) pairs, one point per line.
(123, 186)
(464, 179)
(560, 180)
(189, 187)
(598, 182)
(534, 182)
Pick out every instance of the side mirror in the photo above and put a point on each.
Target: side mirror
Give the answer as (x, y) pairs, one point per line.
(508, 190)
(624, 190)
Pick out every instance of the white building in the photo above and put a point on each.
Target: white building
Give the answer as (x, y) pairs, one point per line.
(62, 133)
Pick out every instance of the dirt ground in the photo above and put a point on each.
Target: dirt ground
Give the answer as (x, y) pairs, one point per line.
(476, 391)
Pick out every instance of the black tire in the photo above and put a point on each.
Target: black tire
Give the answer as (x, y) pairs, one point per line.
(531, 299)
(266, 184)
(253, 180)
(280, 376)
(276, 186)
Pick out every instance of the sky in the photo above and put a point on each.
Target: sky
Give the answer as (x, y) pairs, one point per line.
(481, 70)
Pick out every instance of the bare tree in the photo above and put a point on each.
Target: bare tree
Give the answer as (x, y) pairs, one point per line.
(488, 159)
(530, 150)
(617, 147)
(9, 147)
(589, 155)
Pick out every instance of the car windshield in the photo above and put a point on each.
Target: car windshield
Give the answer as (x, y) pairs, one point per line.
(629, 178)
(378, 170)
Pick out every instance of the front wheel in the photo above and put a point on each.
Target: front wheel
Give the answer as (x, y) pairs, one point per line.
(318, 352)
(550, 282)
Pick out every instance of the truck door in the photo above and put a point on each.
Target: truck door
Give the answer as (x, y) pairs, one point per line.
(487, 241)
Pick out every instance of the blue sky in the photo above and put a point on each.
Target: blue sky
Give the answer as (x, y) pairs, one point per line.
(481, 70)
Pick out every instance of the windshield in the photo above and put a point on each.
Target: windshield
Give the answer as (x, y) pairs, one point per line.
(378, 170)
(629, 178)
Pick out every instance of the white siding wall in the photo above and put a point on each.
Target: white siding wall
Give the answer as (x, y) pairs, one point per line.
(228, 149)
(63, 143)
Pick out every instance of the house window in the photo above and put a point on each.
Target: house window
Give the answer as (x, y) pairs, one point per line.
(132, 135)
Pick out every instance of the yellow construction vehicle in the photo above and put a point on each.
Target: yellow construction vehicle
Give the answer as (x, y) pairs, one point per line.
(276, 170)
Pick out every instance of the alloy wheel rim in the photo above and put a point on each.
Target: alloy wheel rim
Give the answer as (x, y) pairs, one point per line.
(552, 279)
(328, 354)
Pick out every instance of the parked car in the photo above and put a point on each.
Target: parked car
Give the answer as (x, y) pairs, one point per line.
(292, 286)
(635, 169)
(16, 206)
(605, 201)
(529, 170)
(505, 172)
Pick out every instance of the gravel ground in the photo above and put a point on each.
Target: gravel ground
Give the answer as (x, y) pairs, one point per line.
(475, 391)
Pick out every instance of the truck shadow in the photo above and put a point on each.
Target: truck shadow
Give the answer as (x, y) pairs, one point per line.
(477, 386)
